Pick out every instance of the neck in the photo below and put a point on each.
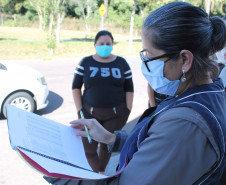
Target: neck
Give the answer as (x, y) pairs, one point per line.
(206, 79)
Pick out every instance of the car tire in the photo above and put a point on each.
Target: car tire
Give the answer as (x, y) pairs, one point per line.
(21, 100)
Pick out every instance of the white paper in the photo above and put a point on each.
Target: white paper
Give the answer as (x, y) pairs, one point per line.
(60, 168)
(47, 137)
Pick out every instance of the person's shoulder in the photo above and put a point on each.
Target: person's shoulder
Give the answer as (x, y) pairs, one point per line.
(177, 113)
(86, 59)
(123, 62)
(182, 119)
(121, 59)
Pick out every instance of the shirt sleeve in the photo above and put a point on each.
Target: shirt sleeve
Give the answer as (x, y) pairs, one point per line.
(121, 137)
(78, 75)
(128, 85)
(176, 151)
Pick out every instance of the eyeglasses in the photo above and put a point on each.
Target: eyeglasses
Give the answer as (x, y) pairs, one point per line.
(145, 59)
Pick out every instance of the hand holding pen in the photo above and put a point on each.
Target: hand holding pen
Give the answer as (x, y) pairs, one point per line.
(96, 130)
(86, 129)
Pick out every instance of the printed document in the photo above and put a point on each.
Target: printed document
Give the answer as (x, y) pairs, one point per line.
(52, 145)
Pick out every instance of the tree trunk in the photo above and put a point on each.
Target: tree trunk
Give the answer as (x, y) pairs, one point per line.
(40, 21)
(51, 20)
(60, 19)
(39, 11)
(212, 6)
(142, 12)
(221, 6)
(207, 6)
(84, 18)
(51, 52)
(202, 5)
(58, 28)
(89, 10)
(131, 26)
(106, 7)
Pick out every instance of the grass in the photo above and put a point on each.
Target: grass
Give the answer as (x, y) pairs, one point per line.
(29, 43)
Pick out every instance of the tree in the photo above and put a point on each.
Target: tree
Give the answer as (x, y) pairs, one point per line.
(40, 6)
(131, 26)
(106, 7)
(55, 12)
(84, 8)
(61, 12)
(10, 7)
(2, 5)
(208, 6)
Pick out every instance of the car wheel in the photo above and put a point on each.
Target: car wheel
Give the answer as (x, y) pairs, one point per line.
(21, 100)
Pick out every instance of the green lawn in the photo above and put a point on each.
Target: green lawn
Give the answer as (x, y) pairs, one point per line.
(29, 43)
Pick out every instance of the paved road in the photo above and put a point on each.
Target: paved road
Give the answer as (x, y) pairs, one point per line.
(59, 74)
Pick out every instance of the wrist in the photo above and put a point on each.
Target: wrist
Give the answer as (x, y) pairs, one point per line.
(110, 139)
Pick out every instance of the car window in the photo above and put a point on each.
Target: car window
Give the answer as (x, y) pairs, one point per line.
(2, 67)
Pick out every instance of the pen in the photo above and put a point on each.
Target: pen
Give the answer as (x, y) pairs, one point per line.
(86, 129)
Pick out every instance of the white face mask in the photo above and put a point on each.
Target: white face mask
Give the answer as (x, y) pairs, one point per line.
(156, 79)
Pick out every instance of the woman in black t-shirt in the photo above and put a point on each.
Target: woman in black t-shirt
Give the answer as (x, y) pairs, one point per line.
(107, 94)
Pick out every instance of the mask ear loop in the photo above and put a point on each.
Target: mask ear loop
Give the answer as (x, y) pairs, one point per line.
(183, 78)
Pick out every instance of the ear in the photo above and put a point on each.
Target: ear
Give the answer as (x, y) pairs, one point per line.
(187, 60)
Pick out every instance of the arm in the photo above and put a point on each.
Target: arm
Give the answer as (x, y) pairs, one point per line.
(151, 96)
(129, 100)
(77, 96)
(128, 85)
(77, 85)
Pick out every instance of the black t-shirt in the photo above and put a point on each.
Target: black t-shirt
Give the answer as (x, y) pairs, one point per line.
(159, 97)
(105, 84)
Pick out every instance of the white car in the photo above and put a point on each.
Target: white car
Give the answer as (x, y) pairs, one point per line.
(23, 87)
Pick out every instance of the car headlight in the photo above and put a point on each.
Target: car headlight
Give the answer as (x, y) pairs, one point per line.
(42, 80)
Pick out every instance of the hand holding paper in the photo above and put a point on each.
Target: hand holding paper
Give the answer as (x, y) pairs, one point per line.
(51, 147)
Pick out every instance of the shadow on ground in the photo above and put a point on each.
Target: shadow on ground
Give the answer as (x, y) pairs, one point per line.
(55, 101)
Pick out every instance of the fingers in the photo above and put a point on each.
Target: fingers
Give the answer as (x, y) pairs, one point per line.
(78, 123)
(81, 122)
(81, 133)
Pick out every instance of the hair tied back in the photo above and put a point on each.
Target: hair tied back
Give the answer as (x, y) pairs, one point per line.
(218, 34)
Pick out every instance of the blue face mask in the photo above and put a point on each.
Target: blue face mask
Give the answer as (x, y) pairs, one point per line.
(156, 79)
(104, 50)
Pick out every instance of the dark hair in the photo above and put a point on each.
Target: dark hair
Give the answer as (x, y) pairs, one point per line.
(224, 18)
(179, 25)
(101, 33)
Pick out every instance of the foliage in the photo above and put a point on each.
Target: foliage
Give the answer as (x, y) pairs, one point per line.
(119, 12)
(51, 41)
(84, 15)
